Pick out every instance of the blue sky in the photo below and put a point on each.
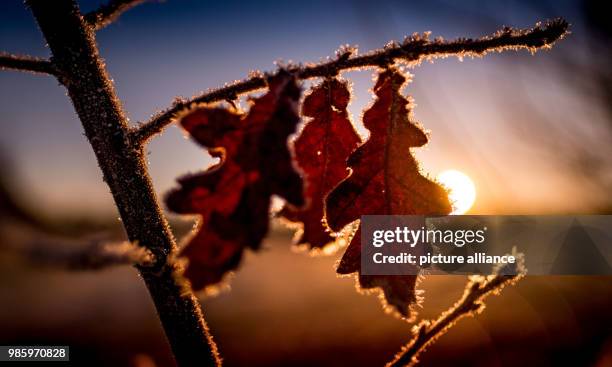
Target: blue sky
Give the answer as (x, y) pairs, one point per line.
(178, 48)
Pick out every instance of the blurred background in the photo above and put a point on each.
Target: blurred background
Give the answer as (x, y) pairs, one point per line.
(532, 132)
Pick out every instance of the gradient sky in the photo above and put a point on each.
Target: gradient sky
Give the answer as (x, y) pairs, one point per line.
(490, 118)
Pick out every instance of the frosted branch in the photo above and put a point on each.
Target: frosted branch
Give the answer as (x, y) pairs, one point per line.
(413, 50)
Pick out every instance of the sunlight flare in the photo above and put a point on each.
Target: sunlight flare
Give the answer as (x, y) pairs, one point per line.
(462, 192)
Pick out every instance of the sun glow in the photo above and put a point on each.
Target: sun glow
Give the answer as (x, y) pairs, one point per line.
(462, 192)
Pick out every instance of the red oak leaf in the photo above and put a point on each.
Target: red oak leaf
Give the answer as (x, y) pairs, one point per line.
(385, 180)
(233, 197)
(321, 152)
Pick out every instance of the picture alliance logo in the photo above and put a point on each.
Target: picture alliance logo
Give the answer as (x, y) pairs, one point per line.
(412, 237)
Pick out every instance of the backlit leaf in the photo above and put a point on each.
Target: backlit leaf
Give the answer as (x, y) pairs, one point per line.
(385, 180)
(321, 152)
(233, 197)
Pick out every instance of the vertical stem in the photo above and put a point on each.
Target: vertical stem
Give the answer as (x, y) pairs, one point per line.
(81, 70)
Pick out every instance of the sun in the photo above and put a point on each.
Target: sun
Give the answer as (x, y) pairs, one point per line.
(462, 192)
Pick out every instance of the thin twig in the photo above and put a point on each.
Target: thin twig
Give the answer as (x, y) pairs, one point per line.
(412, 51)
(108, 13)
(470, 304)
(92, 254)
(26, 63)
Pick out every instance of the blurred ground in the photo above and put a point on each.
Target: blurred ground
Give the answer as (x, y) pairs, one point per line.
(291, 309)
